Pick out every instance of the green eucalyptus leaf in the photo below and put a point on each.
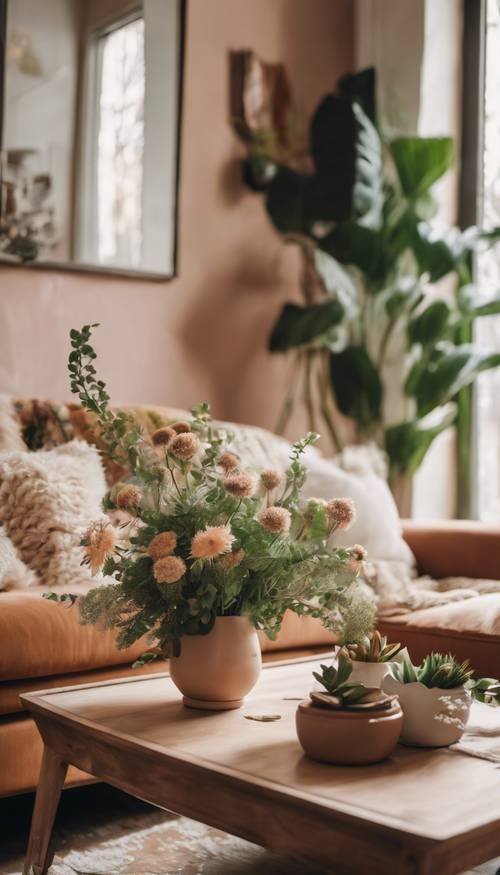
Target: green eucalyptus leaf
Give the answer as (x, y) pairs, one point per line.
(357, 384)
(420, 162)
(297, 326)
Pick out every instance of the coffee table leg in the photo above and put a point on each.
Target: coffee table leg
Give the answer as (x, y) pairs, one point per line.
(50, 783)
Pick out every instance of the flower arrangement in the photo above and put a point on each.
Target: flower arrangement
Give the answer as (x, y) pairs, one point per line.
(205, 537)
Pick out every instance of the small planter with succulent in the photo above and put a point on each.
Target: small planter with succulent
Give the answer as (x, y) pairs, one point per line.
(372, 658)
(212, 552)
(348, 723)
(436, 698)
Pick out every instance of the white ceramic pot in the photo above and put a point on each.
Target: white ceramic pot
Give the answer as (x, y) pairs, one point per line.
(431, 717)
(371, 674)
(215, 671)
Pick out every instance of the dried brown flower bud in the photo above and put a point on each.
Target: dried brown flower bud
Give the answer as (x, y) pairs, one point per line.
(162, 436)
(213, 541)
(184, 446)
(181, 427)
(240, 485)
(128, 497)
(275, 519)
(341, 512)
(270, 479)
(228, 462)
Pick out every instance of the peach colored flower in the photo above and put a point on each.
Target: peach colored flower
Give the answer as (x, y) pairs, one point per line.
(184, 446)
(181, 427)
(213, 541)
(162, 545)
(270, 479)
(169, 569)
(358, 553)
(162, 436)
(228, 462)
(100, 541)
(232, 560)
(128, 497)
(241, 485)
(341, 512)
(275, 519)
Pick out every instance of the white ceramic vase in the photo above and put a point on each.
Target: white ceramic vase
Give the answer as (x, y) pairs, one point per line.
(215, 671)
(431, 717)
(371, 674)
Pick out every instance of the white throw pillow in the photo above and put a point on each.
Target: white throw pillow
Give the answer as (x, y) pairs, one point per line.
(14, 574)
(377, 526)
(47, 499)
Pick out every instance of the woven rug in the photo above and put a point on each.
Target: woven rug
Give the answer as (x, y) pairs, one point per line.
(156, 843)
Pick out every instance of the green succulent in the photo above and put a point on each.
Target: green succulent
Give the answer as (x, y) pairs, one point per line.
(336, 681)
(437, 670)
(373, 648)
(486, 690)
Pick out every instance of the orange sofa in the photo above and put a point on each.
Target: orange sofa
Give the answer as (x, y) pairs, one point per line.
(43, 645)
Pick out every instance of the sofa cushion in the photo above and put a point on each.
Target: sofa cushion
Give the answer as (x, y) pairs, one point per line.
(470, 629)
(40, 638)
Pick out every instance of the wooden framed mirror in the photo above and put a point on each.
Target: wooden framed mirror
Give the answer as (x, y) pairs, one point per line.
(90, 134)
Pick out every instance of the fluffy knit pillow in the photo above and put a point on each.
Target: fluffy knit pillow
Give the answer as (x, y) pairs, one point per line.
(14, 574)
(47, 498)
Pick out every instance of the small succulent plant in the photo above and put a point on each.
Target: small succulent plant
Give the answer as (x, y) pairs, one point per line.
(340, 693)
(486, 690)
(372, 648)
(439, 670)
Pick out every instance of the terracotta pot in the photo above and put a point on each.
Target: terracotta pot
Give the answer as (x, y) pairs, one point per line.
(424, 710)
(348, 737)
(371, 674)
(215, 671)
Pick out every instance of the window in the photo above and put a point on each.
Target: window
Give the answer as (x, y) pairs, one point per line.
(487, 393)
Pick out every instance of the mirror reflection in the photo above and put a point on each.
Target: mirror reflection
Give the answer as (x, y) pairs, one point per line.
(90, 134)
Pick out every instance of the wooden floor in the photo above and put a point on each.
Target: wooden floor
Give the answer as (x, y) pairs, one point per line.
(99, 814)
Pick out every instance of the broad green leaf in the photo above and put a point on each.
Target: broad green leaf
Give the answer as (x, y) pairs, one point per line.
(337, 282)
(405, 295)
(297, 201)
(357, 245)
(406, 444)
(360, 88)
(357, 385)
(348, 157)
(420, 162)
(297, 326)
(455, 369)
(430, 324)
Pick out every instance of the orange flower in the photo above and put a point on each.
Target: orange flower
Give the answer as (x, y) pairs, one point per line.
(162, 545)
(100, 541)
(232, 560)
(212, 542)
(170, 569)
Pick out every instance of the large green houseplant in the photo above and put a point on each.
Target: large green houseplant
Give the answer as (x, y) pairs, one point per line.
(374, 340)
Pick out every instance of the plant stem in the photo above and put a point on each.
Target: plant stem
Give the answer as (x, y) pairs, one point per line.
(324, 394)
(308, 394)
(289, 401)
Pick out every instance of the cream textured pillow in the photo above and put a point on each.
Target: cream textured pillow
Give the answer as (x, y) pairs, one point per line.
(47, 499)
(14, 574)
(377, 526)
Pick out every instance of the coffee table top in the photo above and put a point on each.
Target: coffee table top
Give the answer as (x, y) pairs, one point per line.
(428, 794)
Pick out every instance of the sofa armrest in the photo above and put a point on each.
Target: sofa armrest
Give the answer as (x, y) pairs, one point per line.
(454, 548)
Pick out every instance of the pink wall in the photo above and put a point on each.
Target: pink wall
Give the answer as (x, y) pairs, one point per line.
(202, 335)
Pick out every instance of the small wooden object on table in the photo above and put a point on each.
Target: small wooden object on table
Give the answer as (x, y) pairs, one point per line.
(422, 811)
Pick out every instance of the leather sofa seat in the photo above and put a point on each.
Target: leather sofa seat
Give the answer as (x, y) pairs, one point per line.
(470, 629)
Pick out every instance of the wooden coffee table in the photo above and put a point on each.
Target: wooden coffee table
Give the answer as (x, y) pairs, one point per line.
(421, 811)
